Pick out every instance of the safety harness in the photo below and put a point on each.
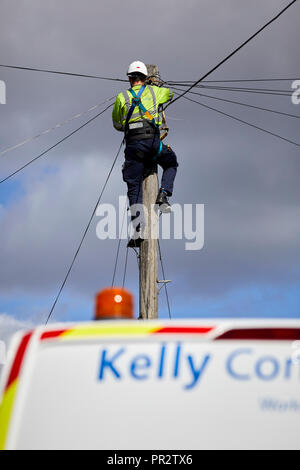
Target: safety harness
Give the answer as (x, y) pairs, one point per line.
(136, 101)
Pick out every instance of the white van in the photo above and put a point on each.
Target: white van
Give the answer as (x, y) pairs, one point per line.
(130, 384)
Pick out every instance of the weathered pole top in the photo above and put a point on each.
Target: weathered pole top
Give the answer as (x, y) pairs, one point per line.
(153, 75)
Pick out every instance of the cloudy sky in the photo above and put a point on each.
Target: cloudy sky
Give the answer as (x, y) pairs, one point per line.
(248, 180)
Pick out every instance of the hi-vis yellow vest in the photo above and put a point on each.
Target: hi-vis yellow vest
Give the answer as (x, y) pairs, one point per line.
(152, 98)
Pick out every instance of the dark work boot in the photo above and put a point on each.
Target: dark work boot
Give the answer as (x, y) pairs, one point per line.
(162, 201)
(135, 243)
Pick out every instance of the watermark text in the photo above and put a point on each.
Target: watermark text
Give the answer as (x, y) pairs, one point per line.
(296, 93)
(185, 222)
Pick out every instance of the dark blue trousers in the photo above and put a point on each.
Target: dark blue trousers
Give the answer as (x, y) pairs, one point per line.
(138, 155)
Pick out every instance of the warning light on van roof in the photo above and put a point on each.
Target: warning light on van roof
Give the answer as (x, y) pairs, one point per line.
(114, 302)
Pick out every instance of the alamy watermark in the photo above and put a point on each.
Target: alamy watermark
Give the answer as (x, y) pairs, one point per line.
(185, 222)
(296, 93)
(2, 92)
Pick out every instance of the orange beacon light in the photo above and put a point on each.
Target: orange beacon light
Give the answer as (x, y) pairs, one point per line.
(114, 302)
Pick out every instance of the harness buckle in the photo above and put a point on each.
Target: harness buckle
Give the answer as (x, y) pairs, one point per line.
(136, 100)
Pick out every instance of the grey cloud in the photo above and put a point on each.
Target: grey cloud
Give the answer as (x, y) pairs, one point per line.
(10, 325)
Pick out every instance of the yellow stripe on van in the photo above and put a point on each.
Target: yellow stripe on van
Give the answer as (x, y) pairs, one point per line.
(109, 330)
(6, 411)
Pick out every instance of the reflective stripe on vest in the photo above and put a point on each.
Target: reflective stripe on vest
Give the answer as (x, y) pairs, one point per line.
(127, 101)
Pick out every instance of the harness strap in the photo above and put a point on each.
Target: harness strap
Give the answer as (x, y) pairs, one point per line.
(159, 151)
(136, 101)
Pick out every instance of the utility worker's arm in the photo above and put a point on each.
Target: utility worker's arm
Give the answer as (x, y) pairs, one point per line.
(163, 95)
(118, 112)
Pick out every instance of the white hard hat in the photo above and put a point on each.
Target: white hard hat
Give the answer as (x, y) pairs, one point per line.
(137, 67)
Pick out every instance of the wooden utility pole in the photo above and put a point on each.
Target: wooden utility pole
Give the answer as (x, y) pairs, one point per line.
(148, 250)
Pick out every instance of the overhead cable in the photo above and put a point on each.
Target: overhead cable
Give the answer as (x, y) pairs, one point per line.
(164, 276)
(243, 122)
(55, 145)
(118, 247)
(84, 235)
(63, 73)
(243, 104)
(189, 82)
(264, 91)
(57, 126)
(233, 53)
(125, 268)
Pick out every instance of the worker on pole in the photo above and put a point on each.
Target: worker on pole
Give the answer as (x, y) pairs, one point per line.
(136, 113)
